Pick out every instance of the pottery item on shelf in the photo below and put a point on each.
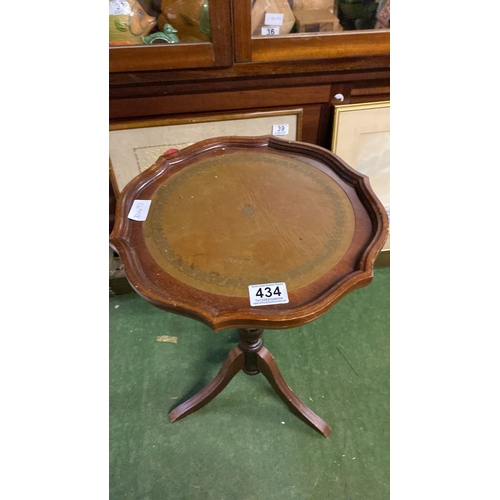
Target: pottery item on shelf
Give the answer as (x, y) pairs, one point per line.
(189, 17)
(167, 35)
(130, 21)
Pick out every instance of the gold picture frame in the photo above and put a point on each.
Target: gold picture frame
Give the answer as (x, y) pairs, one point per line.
(361, 137)
(135, 145)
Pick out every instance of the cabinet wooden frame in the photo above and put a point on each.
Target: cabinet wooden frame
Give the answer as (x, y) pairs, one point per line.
(298, 46)
(127, 163)
(217, 53)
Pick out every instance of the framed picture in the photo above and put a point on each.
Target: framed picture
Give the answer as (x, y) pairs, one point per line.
(135, 146)
(361, 137)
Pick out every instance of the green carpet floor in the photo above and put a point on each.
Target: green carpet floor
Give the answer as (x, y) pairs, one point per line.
(246, 444)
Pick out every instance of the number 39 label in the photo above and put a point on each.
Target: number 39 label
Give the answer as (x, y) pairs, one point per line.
(280, 129)
(268, 294)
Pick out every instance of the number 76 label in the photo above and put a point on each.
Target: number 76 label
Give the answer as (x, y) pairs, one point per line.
(268, 294)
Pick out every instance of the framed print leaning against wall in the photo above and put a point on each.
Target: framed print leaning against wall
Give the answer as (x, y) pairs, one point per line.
(135, 145)
(361, 137)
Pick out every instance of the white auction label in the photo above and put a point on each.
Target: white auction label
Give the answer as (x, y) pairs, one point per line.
(139, 210)
(270, 30)
(273, 19)
(268, 294)
(280, 129)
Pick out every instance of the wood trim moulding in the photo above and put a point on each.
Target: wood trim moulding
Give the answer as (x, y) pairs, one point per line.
(249, 83)
(372, 90)
(156, 57)
(218, 101)
(354, 69)
(337, 45)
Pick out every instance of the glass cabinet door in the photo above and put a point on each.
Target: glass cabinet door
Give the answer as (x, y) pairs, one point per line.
(168, 34)
(273, 30)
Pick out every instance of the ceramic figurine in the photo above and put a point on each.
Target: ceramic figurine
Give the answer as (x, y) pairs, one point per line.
(188, 17)
(130, 21)
(168, 35)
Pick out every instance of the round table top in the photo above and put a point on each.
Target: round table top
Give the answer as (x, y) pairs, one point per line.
(228, 213)
(241, 219)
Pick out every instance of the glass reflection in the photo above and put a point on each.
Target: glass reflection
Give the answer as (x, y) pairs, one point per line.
(136, 22)
(283, 17)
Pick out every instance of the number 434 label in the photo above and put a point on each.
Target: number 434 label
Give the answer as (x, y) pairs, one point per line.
(268, 294)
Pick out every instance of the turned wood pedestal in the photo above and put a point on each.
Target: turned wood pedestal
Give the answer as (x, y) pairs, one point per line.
(252, 357)
(232, 212)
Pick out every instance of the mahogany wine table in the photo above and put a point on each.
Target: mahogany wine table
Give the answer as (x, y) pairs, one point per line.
(232, 212)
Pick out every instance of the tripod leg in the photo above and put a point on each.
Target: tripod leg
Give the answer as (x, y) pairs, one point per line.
(267, 365)
(232, 365)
